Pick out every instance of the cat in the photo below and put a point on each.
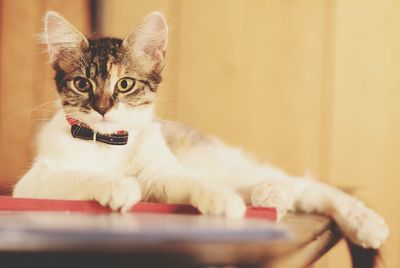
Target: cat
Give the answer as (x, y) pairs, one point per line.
(105, 144)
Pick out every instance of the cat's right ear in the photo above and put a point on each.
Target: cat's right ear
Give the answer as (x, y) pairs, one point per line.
(149, 41)
(61, 37)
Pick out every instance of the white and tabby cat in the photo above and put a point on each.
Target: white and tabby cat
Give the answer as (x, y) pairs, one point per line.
(107, 85)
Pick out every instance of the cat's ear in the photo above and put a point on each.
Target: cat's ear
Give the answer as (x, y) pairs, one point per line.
(150, 38)
(61, 37)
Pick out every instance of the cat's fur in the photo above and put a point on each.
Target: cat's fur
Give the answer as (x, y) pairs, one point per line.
(163, 161)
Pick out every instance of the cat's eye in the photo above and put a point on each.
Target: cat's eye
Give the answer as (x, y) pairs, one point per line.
(125, 84)
(82, 84)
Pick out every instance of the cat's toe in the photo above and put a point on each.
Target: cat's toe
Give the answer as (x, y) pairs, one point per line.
(271, 194)
(120, 194)
(219, 202)
(364, 227)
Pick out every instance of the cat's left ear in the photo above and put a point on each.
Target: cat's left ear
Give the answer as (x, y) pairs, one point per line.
(149, 40)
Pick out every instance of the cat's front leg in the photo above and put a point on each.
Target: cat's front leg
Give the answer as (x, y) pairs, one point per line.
(216, 200)
(42, 181)
(271, 193)
(177, 186)
(163, 179)
(118, 194)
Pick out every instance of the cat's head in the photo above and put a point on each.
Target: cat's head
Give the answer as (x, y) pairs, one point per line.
(107, 83)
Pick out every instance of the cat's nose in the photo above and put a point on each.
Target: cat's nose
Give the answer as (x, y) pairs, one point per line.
(102, 104)
(101, 110)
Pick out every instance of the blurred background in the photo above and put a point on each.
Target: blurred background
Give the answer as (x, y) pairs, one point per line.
(309, 86)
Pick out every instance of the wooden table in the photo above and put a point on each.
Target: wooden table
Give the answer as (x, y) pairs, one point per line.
(54, 239)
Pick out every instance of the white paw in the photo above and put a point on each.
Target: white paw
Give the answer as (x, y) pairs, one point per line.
(363, 226)
(271, 194)
(119, 194)
(218, 201)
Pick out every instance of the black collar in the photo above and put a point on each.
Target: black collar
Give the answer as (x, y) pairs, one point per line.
(82, 131)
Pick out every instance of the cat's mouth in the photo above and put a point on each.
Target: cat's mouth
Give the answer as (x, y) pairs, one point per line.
(104, 126)
(104, 120)
(101, 124)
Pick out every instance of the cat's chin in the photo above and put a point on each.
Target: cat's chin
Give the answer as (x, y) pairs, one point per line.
(100, 124)
(105, 127)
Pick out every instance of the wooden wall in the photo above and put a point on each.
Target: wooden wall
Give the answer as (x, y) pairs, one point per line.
(310, 86)
(26, 79)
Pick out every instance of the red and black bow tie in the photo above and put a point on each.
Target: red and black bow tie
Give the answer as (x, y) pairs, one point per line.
(82, 131)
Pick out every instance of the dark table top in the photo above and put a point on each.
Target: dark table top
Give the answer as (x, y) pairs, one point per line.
(55, 239)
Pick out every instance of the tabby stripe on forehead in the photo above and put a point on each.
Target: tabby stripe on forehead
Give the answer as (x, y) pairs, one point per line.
(89, 71)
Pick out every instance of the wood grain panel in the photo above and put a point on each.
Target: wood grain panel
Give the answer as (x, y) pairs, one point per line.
(251, 73)
(26, 86)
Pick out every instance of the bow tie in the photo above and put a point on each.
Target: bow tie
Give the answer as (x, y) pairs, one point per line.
(82, 131)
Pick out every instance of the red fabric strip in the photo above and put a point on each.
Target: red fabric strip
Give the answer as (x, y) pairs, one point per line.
(27, 204)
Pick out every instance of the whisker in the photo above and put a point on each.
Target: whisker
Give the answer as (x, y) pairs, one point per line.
(175, 115)
(30, 111)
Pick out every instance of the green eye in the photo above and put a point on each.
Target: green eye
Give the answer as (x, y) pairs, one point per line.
(82, 84)
(125, 84)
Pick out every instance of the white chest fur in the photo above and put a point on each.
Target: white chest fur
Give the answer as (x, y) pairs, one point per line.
(56, 145)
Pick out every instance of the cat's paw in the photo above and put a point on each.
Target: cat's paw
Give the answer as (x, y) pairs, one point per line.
(363, 226)
(218, 202)
(271, 194)
(119, 194)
